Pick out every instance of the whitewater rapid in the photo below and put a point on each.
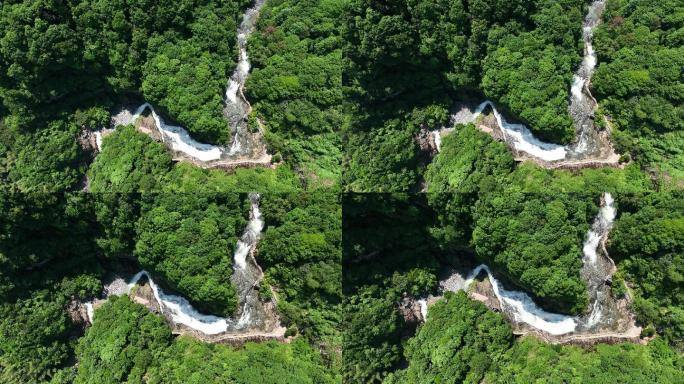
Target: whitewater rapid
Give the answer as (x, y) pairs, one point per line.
(581, 107)
(236, 109)
(250, 237)
(520, 307)
(180, 311)
(518, 135)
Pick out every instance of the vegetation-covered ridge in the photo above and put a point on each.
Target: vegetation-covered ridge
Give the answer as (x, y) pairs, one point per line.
(56, 250)
(296, 85)
(463, 342)
(67, 65)
(128, 343)
(639, 83)
(397, 247)
(75, 55)
(407, 65)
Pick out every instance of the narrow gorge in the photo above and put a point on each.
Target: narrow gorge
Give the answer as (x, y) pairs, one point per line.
(592, 146)
(255, 319)
(247, 148)
(605, 316)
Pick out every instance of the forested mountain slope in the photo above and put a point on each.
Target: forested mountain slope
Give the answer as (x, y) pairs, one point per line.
(66, 66)
(411, 65)
(400, 249)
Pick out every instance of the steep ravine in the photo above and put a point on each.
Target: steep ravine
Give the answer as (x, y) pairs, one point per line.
(254, 318)
(592, 146)
(247, 147)
(605, 315)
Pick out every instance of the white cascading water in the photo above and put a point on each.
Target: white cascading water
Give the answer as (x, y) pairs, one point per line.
(581, 108)
(582, 104)
(596, 270)
(423, 308)
(520, 307)
(250, 237)
(517, 135)
(98, 140)
(180, 311)
(237, 107)
(178, 138)
(90, 312)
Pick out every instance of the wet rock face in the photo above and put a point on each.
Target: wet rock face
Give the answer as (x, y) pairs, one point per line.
(426, 142)
(409, 309)
(143, 294)
(77, 313)
(483, 292)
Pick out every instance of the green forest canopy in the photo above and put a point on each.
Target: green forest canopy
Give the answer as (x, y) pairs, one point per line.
(408, 63)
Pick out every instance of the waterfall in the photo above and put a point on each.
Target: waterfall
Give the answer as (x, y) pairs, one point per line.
(596, 270)
(180, 311)
(245, 276)
(237, 107)
(98, 140)
(178, 138)
(581, 106)
(602, 224)
(251, 235)
(520, 307)
(89, 311)
(423, 308)
(518, 135)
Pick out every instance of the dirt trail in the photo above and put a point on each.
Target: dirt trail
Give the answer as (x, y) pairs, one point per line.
(262, 161)
(605, 156)
(277, 334)
(633, 334)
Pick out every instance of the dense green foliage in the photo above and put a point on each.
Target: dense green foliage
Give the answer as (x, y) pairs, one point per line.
(132, 162)
(470, 161)
(33, 333)
(463, 342)
(129, 344)
(188, 241)
(640, 84)
(191, 362)
(407, 63)
(296, 84)
(62, 56)
(301, 252)
(370, 79)
(648, 244)
(536, 241)
(395, 246)
(532, 361)
(122, 344)
(66, 64)
(530, 73)
(387, 254)
(46, 260)
(459, 343)
(48, 160)
(53, 250)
